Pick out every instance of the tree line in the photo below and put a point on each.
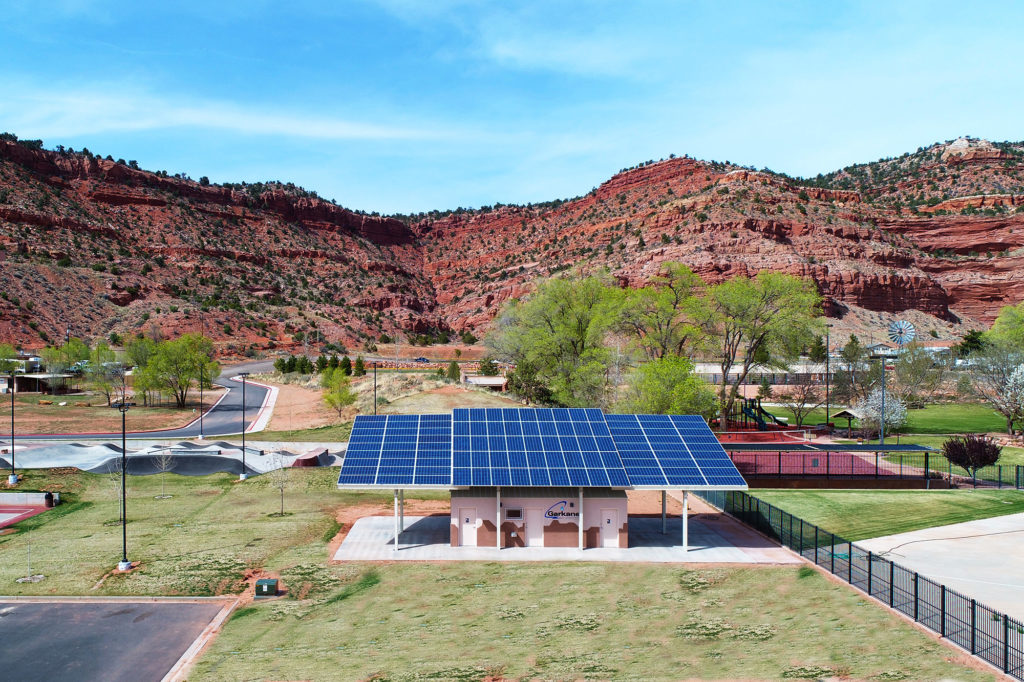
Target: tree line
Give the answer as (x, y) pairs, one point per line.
(586, 341)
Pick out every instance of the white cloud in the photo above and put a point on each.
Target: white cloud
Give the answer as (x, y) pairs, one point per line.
(56, 112)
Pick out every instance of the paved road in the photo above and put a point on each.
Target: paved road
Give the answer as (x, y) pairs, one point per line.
(98, 641)
(221, 420)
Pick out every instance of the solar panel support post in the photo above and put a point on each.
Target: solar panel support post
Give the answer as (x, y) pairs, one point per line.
(580, 517)
(664, 509)
(401, 511)
(686, 521)
(395, 548)
(497, 526)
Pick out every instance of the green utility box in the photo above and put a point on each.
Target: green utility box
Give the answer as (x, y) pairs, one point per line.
(266, 587)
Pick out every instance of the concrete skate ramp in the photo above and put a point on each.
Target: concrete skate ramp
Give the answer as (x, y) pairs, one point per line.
(181, 464)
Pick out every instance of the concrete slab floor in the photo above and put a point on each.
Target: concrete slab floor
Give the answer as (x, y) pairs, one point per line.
(981, 559)
(714, 538)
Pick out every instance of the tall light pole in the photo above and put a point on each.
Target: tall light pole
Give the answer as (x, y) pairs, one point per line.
(375, 388)
(124, 564)
(13, 478)
(242, 476)
(202, 373)
(828, 372)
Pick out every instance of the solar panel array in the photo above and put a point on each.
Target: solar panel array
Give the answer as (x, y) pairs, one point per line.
(536, 448)
(399, 450)
(542, 447)
(660, 451)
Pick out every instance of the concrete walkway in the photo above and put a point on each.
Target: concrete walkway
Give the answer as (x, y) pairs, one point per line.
(714, 538)
(981, 559)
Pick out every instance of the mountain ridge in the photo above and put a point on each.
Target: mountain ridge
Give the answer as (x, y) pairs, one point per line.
(109, 248)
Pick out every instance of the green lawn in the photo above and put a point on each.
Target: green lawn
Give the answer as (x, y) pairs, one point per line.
(860, 514)
(568, 621)
(953, 418)
(445, 621)
(334, 433)
(198, 542)
(1011, 456)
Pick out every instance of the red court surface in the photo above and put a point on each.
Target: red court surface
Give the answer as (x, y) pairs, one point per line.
(11, 514)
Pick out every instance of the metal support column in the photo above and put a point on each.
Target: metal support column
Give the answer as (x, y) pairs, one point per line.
(395, 548)
(663, 510)
(401, 511)
(686, 521)
(497, 539)
(580, 510)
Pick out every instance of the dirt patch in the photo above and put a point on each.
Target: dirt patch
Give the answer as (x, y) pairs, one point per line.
(349, 514)
(446, 398)
(33, 418)
(298, 407)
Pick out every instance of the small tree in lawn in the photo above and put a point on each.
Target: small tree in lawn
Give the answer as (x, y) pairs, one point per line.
(802, 397)
(895, 411)
(278, 476)
(164, 462)
(338, 394)
(359, 368)
(454, 373)
(764, 391)
(971, 452)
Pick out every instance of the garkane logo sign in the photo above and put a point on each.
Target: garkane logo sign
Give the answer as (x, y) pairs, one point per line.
(558, 511)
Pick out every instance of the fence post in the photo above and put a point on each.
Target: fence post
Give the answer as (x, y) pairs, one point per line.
(1000, 472)
(780, 465)
(801, 537)
(815, 545)
(915, 597)
(942, 611)
(974, 629)
(927, 480)
(870, 571)
(1006, 643)
(832, 564)
(849, 562)
(892, 583)
(876, 465)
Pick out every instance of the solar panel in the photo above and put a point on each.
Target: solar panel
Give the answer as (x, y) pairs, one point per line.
(678, 451)
(397, 451)
(534, 447)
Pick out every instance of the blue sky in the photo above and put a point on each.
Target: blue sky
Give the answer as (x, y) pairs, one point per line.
(396, 105)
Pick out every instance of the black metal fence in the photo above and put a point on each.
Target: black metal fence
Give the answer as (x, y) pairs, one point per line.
(983, 631)
(871, 465)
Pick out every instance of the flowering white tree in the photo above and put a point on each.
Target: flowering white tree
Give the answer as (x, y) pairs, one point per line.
(1010, 401)
(895, 411)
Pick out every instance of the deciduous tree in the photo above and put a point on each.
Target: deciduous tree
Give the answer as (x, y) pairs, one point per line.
(668, 385)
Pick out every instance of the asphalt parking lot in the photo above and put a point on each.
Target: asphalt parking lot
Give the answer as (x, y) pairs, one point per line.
(91, 640)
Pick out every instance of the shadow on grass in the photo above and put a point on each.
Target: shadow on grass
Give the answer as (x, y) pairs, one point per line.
(364, 583)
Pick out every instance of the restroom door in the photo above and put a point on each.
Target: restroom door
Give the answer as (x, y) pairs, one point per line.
(609, 527)
(534, 527)
(467, 526)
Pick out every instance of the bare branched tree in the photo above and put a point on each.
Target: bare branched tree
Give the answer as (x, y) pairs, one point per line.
(278, 476)
(164, 462)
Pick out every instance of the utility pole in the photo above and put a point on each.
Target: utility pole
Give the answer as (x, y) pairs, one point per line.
(828, 369)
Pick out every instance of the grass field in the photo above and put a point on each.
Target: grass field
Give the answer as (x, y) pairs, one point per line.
(956, 418)
(557, 621)
(198, 542)
(860, 514)
(335, 433)
(445, 621)
(1010, 456)
(33, 418)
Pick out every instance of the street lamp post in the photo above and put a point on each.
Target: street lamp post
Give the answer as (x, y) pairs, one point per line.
(124, 564)
(202, 374)
(242, 476)
(13, 478)
(375, 388)
(828, 370)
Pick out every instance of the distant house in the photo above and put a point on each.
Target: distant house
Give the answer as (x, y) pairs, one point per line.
(498, 383)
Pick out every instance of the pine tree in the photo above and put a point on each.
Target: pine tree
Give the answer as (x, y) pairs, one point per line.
(454, 374)
(359, 369)
(345, 366)
(321, 364)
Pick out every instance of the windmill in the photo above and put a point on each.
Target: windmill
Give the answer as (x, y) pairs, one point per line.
(901, 333)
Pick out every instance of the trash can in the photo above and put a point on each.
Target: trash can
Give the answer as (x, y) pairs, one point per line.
(48, 500)
(266, 587)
